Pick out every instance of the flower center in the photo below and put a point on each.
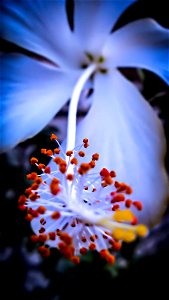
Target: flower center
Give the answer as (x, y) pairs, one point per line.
(99, 61)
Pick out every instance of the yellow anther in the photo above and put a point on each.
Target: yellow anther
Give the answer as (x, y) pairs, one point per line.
(141, 230)
(118, 233)
(123, 215)
(129, 236)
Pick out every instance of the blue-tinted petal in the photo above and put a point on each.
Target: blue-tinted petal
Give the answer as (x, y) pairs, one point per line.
(93, 21)
(31, 94)
(143, 44)
(41, 27)
(127, 133)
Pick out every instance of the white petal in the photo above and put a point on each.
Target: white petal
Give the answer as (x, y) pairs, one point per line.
(94, 21)
(41, 27)
(125, 130)
(32, 93)
(143, 44)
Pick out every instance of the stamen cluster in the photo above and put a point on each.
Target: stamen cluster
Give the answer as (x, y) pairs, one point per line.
(75, 209)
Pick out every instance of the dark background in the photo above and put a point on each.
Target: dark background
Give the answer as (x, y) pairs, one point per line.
(142, 265)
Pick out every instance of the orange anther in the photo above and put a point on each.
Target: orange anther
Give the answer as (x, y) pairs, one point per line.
(56, 215)
(41, 209)
(104, 172)
(112, 174)
(75, 260)
(22, 199)
(81, 153)
(49, 152)
(31, 176)
(33, 160)
(57, 160)
(83, 251)
(128, 203)
(74, 161)
(138, 205)
(70, 177)
(52, 236)
(92, 246)
(85, 140)
(69, 153)
(53, 137)
(41, 166)
(43, 151)
(47, 170)
(95, 156)
(92, 163)
(56, 150)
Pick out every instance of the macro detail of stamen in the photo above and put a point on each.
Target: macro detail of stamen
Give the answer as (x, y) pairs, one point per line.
(75, 209)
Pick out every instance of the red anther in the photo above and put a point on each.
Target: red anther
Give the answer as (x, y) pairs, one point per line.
(42, 221)
(138, 205)
(22, 200)
(115, 207)
(38, 180)
(52, 236)
(92, 238)
(22, 207)
(65, 237)
(33, 212)
(85, 140)
(42, 238)
(44, 251)
(86, 145)
(104, 172)
(31, 176)
(117, 184)
(118, 198)
(128, 203)
(62, 168)
(83, 251)
(92, 163)
(41, 166)
(57, 160)
(56, 150)
(129, 190)
(75, 260)
(69, 153)
(108, 180)
(43, 151)
(41, 209)
(92, 246)
(42, 230)
(95, 156)
(28, 191)
(112, 174)
(104, 184)
(83, 239)
(34, 196)
(110, 259)
(134, 221)
(85, 188)
(53, 137)
(94, 190)
(70, 177)
(74, 161)
(115, 245)
(54, 186)
(49, 152)
(34, 238)
(29, 217)
(84, 168)
(33, 160)
(104, 253)
(34, 186)
(81, 153)
(56, 215)
(47, 170)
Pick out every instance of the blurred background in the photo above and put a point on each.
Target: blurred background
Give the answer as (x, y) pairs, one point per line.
(140, 266)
